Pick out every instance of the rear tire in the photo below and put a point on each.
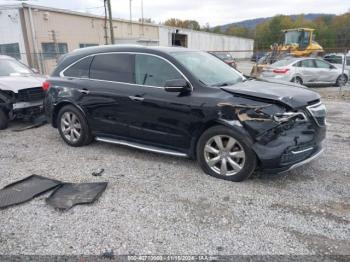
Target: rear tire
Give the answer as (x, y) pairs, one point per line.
(341, 80)
(231, 159)
(73, 127)
(4, 120)
(297, 80)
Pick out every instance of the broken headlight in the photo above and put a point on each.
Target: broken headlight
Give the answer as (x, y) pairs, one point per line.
(318, 112)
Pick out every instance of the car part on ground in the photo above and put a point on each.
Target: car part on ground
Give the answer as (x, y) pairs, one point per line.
(64, 197)
(70, 194)
(21, 94)
(165, 100)
(25, 190)
(98, 173)
(37, 122)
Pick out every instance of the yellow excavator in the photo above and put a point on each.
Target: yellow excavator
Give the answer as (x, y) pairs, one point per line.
(298, 42)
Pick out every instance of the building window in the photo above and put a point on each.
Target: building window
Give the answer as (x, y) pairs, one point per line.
(10, 50)
(50, 50)
(87, 45)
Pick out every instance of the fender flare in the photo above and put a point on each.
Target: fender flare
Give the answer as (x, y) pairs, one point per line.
(57, 107)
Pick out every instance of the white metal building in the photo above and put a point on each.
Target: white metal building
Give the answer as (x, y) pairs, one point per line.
(38, 35)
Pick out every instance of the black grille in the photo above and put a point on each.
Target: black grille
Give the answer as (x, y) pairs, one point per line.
(30, 94)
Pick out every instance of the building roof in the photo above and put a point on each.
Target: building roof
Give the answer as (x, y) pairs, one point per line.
(66, 11)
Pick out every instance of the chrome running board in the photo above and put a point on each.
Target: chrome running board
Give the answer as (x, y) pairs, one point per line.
(141, 146)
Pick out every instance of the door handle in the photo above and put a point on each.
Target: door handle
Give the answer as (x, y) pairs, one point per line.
(84, 91)
(136, 98)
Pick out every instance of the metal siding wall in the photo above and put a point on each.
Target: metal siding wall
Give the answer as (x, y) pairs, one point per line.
(210, 42)
(11, 31)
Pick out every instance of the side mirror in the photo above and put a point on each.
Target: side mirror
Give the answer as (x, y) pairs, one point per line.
(36, 71)
(177, 85)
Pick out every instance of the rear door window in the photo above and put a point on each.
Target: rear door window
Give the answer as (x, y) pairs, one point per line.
(153, 71)
(113, 67)
(308, 63)
(79, 69)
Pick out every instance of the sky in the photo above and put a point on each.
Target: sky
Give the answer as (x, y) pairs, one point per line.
(214, 12)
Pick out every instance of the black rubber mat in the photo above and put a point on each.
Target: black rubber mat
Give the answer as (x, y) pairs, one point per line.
(25, 190)
(71, 194)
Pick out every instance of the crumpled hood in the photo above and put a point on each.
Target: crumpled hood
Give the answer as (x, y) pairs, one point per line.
(293, 95)
(16, 83)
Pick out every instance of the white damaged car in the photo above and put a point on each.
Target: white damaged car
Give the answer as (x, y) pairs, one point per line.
(21, 92)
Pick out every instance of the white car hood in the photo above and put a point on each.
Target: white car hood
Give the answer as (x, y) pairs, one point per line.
(16, 83)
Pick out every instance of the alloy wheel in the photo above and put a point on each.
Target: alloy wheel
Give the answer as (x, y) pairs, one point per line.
(342, 80)
(297, 80)
(71, 126)
(224, 155)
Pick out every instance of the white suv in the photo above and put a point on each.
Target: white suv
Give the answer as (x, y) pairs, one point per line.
(337, 60)
(21, 92)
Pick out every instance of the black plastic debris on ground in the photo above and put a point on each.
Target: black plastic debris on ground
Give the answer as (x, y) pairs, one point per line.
(99, 173)
(70, 194)
(25, 190)
(37, 122)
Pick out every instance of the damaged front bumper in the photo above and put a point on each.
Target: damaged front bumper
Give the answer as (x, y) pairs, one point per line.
(316, 154)
(25, 109)
(282, 139)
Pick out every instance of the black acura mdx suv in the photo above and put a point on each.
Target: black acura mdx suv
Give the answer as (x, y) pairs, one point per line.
(186, 103)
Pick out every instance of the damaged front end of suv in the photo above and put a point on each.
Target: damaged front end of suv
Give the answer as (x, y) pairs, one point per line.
(286, 132)
(21, 93)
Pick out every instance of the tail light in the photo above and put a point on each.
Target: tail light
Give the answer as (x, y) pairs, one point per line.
(281, 71)
(46, 85)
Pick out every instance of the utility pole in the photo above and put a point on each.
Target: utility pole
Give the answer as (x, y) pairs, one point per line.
(54, 39)
(130, 17)
(105, 23)
(110, 20)
(143, 31)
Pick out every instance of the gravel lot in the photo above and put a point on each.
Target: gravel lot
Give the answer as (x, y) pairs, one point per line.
(156, 204)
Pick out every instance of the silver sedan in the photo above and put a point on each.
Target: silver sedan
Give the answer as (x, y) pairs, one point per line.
(306, 71)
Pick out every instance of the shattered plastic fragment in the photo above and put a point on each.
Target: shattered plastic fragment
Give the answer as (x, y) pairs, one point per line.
(71, 194)
(25, 190)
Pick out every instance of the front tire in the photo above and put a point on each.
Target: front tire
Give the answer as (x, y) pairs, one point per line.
(73, 127)
(297, 80)
(224, 153)
(4, 120)
(341, 80)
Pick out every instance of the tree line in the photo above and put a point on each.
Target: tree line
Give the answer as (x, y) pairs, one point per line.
(332, 32)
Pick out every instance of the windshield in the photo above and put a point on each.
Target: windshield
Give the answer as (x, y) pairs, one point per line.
(283, 62)
(9, 67)
(292, 37)
(224, 56)
(208, 69)
(297, 37)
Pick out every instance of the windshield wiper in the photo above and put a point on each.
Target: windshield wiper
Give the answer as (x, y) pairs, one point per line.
(223, 84)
